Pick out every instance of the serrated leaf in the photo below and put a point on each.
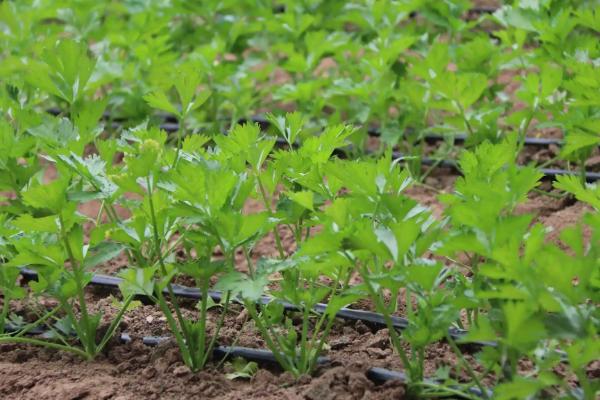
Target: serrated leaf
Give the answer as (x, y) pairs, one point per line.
(304, 198)
(244, 286)
(160, 101)
(200, 99)
(51, 196)
(387, 237)
(578, 140)
(28, 223)
(116, 303)
(137, 281)
(102, 253)
(572, 184)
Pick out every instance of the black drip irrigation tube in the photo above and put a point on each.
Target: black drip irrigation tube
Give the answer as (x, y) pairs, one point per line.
(474, 10)
(279, 9)
(368, 317)
(549, 173)
(461, 139)
(348, 314)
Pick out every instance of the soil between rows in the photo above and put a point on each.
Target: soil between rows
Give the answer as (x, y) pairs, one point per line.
(135, 371)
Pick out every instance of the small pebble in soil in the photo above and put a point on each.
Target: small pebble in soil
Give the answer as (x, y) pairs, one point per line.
(379, 340)
(181, 370)
(149, 372)
(378, 353)
(105, 394)
(361, 327)
(142, 360)
(348, 331)
(340, 343)
(124, 366)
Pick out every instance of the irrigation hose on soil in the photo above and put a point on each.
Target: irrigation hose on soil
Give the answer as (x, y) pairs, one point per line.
(347, 314)
(549, 173)
(367, 317)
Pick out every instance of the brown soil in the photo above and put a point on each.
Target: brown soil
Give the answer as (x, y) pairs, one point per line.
(136, 372)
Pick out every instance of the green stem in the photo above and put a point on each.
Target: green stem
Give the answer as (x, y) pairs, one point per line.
(390, 325)
(322, 339)
(582, 173)
(317, 329)
(64, 304)
(443, 391)
(465, 119)
(163, 269)
(4, 313)
(298, 233)
(87, 340)
(100, 211)
(277, 353)
(38, 322)
(111, 213)
(181, 342)
(467, 366)
(248, 261)
(304, 336)
(549, 194)
(226, 355)
(179, 134)
(429, 170)
(523, 130)
(589, 392)
(203, 311)
(176, 243)
(421, 361)
(268, 207)
(51, 345)
(213, 340)
(408, 301)
(114, 324)
(307, 235)
(548, 162)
